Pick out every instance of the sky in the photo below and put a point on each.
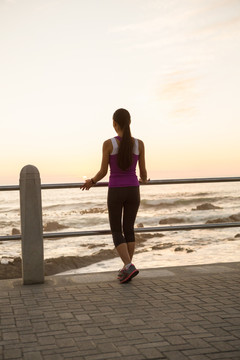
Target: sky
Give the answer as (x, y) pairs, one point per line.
(67, 65)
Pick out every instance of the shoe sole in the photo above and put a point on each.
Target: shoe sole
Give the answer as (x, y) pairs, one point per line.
(127, 280)
(130, 276)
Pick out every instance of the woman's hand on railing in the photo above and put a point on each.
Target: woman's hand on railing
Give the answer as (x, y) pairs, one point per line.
(88, 184)
(143, 182)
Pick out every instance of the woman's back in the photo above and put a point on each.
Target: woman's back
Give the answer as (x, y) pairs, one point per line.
(119, 177)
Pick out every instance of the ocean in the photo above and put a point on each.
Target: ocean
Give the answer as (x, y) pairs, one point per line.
(76, 210)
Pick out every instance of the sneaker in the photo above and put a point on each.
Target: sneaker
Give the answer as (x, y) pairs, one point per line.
(120, 273)
(128, 274)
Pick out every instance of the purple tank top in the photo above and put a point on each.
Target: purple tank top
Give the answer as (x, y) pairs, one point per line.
(119, 177)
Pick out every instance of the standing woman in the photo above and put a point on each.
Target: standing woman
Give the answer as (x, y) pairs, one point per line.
(122, 153)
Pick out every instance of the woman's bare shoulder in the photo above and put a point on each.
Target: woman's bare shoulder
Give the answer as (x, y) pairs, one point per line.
(141, 144)
(107, 145)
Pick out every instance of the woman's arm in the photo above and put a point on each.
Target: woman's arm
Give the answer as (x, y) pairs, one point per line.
(106, 150)
(141, 162)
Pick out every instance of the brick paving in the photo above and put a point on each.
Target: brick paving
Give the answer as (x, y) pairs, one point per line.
(174, 313)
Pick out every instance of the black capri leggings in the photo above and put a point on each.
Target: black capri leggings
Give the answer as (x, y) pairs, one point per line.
(123, 204)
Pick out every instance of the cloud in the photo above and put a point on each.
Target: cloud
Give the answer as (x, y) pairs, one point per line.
(219, 19)
(222, 29)
(169, 18)
(179, 92)
(182, 22)
(177, 84)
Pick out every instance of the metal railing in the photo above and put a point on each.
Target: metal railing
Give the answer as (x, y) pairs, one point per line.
(151, 182)
(137, 230)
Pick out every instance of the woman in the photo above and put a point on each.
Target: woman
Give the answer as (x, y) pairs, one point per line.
(122, 154)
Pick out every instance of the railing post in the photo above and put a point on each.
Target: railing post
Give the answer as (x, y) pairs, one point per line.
(31, 226)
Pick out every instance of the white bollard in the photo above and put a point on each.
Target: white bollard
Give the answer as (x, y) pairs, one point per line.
(31, 226)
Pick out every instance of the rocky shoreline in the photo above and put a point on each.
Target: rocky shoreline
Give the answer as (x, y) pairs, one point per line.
(11, 268)
(52, 266)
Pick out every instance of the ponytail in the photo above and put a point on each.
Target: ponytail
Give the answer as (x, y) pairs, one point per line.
(125, 152)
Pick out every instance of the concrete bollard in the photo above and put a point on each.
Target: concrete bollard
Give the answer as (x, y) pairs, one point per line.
(31, 226)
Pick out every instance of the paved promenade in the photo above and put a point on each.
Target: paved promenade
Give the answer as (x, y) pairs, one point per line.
(174, 313)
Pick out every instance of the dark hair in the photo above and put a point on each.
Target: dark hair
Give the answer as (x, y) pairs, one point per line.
(125, 156)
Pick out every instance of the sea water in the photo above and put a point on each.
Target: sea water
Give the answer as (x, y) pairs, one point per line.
(78, 210)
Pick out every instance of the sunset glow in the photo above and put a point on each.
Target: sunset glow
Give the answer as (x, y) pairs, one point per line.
(67, 65)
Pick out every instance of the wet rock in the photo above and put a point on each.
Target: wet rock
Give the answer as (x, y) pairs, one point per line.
(53, 226)
(237, 236)
(146, 236)
(235, 217)
(15, 231)
(206, 206)
(172, 220)
(11, 270)
(162, 246)
(218, 220)
(142, 238)
(92, 246)
(64, 263)
(189, 250)
(179, 248)
(232, 218)
(141, 251)
(93, 211)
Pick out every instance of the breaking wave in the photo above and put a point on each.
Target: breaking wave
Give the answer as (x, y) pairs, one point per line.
(170, 203)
